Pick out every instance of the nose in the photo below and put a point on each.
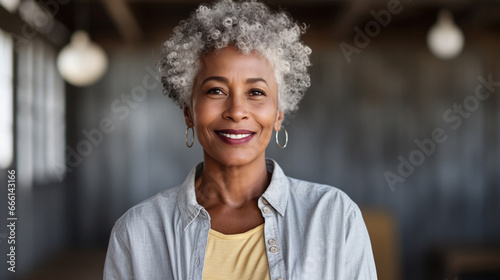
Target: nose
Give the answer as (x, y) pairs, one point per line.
(236, 109)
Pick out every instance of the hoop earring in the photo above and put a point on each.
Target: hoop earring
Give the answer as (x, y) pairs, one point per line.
(192, 141)
(286, 138)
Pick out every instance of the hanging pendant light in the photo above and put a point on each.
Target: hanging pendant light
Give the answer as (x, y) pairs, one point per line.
(82, 62)
(445, 39)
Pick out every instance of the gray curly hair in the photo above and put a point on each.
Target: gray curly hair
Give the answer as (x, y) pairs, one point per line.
(249, 26)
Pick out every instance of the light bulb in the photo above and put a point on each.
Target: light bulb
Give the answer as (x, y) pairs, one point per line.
(82, 62)
(445, 39)
(10, 5)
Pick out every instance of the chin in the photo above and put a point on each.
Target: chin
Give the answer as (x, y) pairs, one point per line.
(232, 159)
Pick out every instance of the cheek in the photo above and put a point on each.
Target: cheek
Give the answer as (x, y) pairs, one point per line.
(201, 111)
(205, 115)
(266, 115)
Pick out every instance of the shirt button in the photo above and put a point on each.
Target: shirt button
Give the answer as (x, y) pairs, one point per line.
(271, 241)
(273, 249)
(265, 201)
(280, 279)
(197, 262)
(266, 210)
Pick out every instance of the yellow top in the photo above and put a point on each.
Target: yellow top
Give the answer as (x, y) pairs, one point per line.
(236, 256)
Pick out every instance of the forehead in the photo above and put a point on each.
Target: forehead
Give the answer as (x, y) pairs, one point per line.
(231, 61)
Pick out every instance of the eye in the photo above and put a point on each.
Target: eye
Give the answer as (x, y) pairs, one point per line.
(256, 92)
(215, 91)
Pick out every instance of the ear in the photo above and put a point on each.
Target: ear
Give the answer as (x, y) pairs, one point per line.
(188, 116)
(279, 120)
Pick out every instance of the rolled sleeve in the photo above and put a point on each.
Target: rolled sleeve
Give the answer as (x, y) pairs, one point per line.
(118, 264)
(359, 262)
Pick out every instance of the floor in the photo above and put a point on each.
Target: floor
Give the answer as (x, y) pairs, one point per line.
(74, 264)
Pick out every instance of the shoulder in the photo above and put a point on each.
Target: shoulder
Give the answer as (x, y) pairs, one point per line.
(321, 197)
(152, 212)
(308, 197)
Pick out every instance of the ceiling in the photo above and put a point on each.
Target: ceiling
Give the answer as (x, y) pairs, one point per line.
(138, 21)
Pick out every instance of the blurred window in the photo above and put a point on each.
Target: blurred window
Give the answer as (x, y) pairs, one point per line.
(40, 122)
(6, 99)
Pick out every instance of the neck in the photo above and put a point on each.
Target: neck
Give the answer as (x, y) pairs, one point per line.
(233, 186)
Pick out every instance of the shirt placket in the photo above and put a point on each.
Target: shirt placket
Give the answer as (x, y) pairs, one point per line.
(272, 240)
(198, 259)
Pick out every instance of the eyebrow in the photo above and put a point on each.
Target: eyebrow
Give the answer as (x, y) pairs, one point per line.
(225, 80)
(215, 78)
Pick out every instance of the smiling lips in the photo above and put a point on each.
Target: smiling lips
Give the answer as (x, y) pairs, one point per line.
(235, 137)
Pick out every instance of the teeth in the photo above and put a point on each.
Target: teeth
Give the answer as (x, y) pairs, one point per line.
(235, 136)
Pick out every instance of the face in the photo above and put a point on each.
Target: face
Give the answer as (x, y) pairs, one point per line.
(234, 106)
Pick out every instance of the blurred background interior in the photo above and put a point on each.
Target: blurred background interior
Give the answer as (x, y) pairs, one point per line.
(403, 115)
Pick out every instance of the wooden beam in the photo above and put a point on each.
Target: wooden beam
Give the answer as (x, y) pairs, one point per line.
(482, 16)
(354, 12)
(122, 16)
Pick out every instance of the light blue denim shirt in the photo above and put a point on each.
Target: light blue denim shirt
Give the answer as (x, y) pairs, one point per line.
(311, 231)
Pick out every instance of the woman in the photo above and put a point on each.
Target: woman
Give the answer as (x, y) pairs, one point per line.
(236, 69)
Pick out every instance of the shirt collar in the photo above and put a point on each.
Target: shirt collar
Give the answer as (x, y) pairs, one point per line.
(277, 192)
(275, 195)
(188, 205)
